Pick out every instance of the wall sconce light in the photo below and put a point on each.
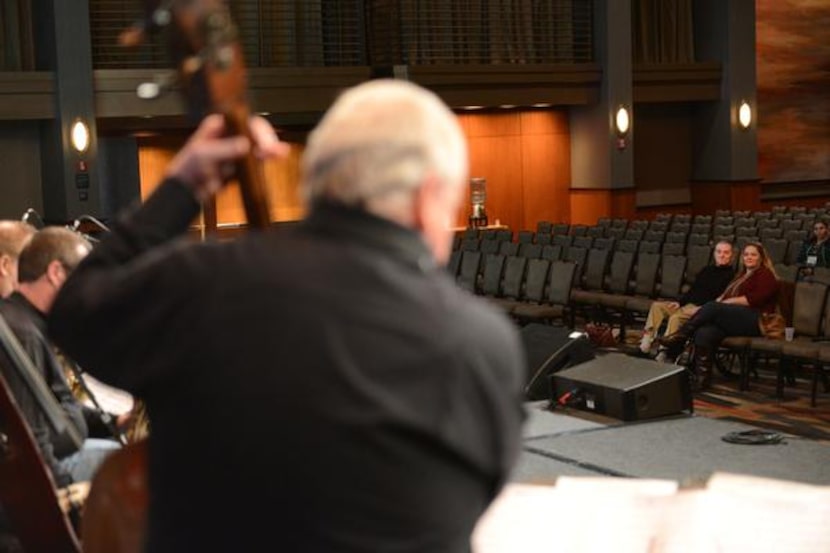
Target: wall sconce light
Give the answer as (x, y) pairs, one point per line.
(79, 136)
(622, 121)
(744, 115)
(622, 124)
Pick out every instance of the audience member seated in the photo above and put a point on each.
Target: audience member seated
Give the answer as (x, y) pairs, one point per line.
(748, 307)
(708, 285)
(45, 262)
(815, 252)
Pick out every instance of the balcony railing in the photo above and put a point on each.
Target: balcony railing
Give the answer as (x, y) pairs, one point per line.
(320, 33)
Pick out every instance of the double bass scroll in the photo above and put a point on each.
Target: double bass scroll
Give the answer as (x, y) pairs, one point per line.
(203, 41)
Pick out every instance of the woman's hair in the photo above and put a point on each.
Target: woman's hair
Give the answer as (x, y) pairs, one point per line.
(765, 259)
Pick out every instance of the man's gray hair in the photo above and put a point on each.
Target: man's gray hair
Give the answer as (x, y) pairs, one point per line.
(378, 143)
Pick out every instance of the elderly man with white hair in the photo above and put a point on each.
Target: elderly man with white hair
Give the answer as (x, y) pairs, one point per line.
(325, 389)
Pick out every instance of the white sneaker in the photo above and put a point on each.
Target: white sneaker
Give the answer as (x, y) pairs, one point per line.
(645, 342)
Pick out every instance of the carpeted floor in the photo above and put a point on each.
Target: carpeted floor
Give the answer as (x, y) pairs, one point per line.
(759, 406)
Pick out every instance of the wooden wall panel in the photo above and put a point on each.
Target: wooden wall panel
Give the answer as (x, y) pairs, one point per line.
(746, 195)
(499, 160)
(709, 196)
(285, 198)
(154, 153)
(477, 125)
(283, 178)
(546, 168)
(589, 205)
(525, 157)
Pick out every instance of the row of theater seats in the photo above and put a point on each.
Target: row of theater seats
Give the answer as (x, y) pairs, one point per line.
(791, 224)
(723, 232)
(698, 248)
(809, 349)
(621, 283)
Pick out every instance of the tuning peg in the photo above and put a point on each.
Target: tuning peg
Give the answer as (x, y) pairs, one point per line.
(162, 16)
(153, 89)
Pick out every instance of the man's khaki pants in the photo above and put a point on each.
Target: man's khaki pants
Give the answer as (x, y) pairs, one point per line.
(660, 310)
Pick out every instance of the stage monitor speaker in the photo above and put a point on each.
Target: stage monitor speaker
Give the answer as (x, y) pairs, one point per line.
(549, 349)
(626, 388)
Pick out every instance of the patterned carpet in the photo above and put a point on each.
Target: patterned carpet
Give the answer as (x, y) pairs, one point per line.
(759, 407)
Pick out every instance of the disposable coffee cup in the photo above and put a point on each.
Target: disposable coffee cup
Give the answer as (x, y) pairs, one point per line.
(789, 332)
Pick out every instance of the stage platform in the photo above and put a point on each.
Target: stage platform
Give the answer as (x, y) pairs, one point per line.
(686, 448)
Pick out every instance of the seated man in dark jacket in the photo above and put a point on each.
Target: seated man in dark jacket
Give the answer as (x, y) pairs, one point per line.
(44, 264)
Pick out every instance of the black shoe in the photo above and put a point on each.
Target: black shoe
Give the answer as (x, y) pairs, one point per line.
(674, 341)
(637, 352)
(694, 381)
(703, 368)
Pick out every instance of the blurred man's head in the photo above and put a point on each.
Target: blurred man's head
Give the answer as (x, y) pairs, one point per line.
(13, 236)
(396, 151)
(46, 261)
(723, 253)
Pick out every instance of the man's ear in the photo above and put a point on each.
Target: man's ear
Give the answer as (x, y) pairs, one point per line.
(5, 265)
(428, 205)
(433, 212)
(55, 272)
(421, 206)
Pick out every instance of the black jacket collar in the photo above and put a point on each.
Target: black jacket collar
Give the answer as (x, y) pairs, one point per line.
(37, 317)
(355, 225)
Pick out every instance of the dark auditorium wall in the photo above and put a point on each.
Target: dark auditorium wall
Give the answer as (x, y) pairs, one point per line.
(20, 187)
(662, 167)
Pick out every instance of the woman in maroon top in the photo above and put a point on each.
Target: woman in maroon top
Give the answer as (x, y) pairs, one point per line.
(737, 312)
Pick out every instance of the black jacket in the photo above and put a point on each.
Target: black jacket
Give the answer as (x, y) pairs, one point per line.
(29, 326)
(328, 390)
(821, 251)
(710, 283)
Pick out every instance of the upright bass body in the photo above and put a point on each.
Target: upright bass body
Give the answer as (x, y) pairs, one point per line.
(27, 489)
(115, 512)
